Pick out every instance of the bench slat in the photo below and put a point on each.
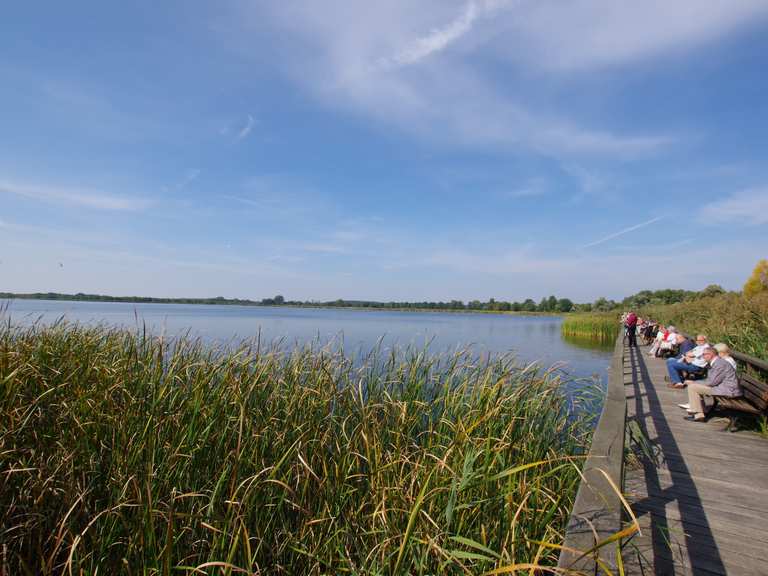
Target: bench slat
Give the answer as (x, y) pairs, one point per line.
(736, 404)
(760, 388)
(754, 391)
(757, 401)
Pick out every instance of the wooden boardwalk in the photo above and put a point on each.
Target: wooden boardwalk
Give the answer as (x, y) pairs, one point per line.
(699, 491)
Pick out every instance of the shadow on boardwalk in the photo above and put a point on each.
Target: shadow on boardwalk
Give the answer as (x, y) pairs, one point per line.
(700, 493)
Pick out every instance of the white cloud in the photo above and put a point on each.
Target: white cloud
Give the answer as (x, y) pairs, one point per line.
(582, 34)
(246, 129)
(391, 61)
(533, 188)
(748, 207)
(439, 39)
(437, 94)
(75, 197)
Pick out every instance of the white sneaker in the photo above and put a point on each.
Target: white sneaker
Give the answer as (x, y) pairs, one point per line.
(685, 406)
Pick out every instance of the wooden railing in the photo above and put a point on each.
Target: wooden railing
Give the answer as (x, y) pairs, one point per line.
(597, 510)
(750, 361)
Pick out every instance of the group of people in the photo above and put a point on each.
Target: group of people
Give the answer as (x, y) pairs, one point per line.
(701, 368)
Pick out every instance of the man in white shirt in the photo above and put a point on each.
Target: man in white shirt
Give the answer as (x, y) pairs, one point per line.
(691, 361)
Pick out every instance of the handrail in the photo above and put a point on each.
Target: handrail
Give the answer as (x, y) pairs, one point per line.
(751, 360)
(597, 510)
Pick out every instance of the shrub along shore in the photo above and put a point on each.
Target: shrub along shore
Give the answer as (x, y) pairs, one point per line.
(120, 452)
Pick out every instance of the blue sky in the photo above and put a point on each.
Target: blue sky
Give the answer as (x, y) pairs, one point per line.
(395, 149)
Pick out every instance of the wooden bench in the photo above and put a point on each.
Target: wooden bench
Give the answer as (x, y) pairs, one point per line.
(753, 402)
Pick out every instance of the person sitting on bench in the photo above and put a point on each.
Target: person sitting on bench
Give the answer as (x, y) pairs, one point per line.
(668, 344)
(725, 353)
(720, 381)
(650, 331)
(691, 360)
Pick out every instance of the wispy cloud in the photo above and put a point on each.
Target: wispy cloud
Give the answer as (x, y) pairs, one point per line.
(748, 207)
(623, 232)
(441, 38)
(246, 129)
(76, 197)
(189, 177)
(348, 62)
(437, 40)
(584, 34)
(535, 187)
(321, 248)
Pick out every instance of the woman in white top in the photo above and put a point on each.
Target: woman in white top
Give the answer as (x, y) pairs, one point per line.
(660, 339)
(725, 353)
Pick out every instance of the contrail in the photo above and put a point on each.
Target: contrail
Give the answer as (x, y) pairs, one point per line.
(622, 232)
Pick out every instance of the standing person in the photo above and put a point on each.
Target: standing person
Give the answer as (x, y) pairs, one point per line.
(631, 325)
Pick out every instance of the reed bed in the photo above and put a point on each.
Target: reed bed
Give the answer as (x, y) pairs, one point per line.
(124, 453)
(740, 322)
(603, 328)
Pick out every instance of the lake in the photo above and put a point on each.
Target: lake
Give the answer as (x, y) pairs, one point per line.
(530, 338)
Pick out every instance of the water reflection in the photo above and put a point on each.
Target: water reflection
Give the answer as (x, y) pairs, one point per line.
(588, 343)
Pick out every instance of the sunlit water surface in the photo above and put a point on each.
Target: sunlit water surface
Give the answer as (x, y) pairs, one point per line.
(529, 338)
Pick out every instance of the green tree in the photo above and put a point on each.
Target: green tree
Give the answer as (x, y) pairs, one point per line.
(712, 290)
(551, 304)
(564, 305)
(528, 306)
(758, 282)
(603, 305)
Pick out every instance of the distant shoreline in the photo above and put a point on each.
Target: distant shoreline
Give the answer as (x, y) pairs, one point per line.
(219, 301)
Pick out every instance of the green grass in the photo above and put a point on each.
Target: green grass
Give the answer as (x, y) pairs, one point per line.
(122, 453)
(600, 327)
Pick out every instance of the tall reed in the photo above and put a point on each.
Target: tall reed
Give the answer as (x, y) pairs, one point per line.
(123, 453)
(602, 327)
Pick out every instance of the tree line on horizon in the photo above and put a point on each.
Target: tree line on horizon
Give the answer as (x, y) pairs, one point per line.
(550, 304)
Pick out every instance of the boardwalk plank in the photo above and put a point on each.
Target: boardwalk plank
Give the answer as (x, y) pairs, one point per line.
(700, 492)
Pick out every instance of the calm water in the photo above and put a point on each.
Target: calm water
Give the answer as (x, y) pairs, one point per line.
(530, 338)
